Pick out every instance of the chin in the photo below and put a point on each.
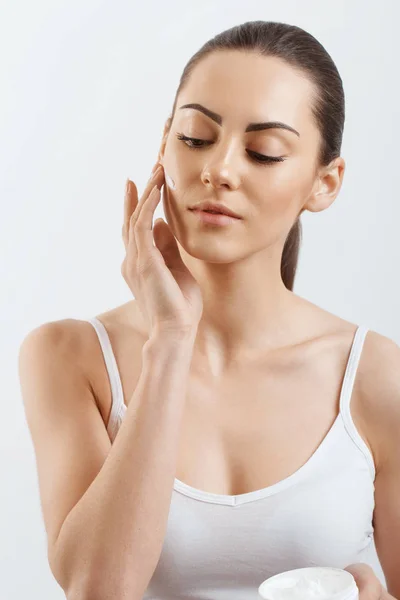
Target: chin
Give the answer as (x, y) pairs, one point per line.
(217, 252)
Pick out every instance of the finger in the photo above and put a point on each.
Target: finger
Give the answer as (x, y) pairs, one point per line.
(142, 228)
(165, 241)
(369, 586)
(156, 179)
(149, 186)
(130, 203)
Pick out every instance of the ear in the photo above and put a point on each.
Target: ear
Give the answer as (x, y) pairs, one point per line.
(327, 186)
(161, 151)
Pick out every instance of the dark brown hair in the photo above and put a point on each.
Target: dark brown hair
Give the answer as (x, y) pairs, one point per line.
(306, 54)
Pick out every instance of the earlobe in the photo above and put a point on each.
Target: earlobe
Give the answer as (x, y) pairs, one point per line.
(327, 187)
(319, 201)
(324, 196)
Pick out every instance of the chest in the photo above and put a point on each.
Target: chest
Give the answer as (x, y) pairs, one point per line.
(255, 425)
(254, 429)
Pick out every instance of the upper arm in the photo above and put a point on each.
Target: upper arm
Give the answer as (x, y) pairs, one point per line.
(68, 433)
(382, 394)
(387, 522)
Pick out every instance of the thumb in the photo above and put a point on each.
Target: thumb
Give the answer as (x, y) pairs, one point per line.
(166, 243)
(367, 582)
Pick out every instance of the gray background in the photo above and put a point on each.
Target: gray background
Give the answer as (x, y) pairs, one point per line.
(85, 91)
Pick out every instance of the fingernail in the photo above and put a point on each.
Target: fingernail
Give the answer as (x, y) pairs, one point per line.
(155, 167)
(127, 186)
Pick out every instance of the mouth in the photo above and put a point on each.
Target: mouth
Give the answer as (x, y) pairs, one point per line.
(214, 218)
(213, 208)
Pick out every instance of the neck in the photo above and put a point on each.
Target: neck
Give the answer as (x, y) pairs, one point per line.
(246, 308)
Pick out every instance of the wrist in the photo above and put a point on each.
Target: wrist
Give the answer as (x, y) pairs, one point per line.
(174, 333)
(169, 340)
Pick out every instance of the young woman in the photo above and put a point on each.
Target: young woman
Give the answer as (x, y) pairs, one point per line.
(200, 438)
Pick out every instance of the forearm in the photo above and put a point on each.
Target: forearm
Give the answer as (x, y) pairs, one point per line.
(111, 541)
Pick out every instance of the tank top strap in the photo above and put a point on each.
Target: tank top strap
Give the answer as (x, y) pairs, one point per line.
(351, 368)
(117, 393)
(346, 394)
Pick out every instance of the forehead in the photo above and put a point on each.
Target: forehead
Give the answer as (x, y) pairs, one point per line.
(244, 86)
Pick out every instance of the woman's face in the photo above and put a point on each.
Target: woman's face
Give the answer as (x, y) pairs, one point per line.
(226, 167)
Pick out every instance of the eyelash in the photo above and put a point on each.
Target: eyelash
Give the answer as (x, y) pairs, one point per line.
(263, 159)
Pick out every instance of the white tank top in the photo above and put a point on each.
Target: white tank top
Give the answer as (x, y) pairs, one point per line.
(221, 547)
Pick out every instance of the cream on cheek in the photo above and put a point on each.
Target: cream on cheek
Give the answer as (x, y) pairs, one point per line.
(170, 182)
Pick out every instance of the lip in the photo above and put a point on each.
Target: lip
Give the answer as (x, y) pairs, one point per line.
(219, 208)
(218, 219)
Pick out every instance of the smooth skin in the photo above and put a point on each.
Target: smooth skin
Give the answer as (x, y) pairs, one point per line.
(246, 305)
(253, 333)
(370, 587)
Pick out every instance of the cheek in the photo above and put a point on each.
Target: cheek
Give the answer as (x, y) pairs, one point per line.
(287, 189)
(283, 195)
(170, 208)
(165, 203)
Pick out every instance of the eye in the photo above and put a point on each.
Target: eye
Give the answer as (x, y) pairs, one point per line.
(262, 158)
(197, 143)
(192, 141)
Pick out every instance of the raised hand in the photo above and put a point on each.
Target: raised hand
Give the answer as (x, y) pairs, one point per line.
(167, 294)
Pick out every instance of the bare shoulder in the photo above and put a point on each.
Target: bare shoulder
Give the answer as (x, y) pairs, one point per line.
(64, 336)
(70, 342)
(71, 338)
(378, 392)
(77, 337)
(77, 344)
(379, 366)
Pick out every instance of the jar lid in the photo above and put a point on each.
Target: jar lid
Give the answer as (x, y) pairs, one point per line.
(318, 583)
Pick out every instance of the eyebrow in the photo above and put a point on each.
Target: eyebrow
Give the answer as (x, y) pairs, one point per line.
(250, 127)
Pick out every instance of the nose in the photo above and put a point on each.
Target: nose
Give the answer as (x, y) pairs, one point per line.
(222, 169)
